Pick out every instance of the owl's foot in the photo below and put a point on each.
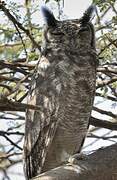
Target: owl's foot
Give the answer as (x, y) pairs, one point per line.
(76, 157)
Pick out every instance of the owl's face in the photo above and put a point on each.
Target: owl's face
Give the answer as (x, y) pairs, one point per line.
(68, 33)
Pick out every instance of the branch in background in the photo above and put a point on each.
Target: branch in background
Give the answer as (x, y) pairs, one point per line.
(110, 64)
(6, 86)
(11, 45)
(12, 143)
(22, 97)
(21, 39)
(19, 25)
(16, 65)
(7, 155)
(106, 26)
(106, 82)
(99, 18)
(107, 69)
(8, 164)
(103, 123)
(91, 135)
(112, 41)
(114, 91)
(11, 79)
(16, 116)
(107, 46)
(8, 105)
(108, 113)
(13, 113)
(114, 9)
(106, 96)
(11, 119)
(2, 133)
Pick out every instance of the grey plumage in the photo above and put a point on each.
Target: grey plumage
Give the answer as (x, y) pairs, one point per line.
(63, 85)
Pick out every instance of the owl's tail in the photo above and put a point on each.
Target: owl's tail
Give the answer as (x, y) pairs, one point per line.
(87, 14)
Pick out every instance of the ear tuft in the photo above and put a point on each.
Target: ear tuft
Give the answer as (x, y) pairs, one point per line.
(49, 17)
(88, 14)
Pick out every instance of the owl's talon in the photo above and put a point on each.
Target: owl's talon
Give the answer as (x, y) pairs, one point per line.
(77, 157)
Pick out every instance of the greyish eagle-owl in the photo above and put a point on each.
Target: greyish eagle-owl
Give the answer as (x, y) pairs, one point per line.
(63, 86)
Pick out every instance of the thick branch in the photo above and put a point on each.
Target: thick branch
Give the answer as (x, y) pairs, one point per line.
(101, 165)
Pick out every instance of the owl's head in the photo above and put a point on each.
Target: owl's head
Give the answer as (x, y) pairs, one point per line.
(69, 34)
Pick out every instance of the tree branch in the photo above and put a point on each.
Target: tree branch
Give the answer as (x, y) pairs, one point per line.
(106, 82)
(106, 96)
(108, 113)
(106, 47)
(2, 133)
(8, 105)
(103, 123)
(107, 69)
(19, 25)
(12, 143)
(101, 165)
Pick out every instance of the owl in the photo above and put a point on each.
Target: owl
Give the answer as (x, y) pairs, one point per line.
(63, 86)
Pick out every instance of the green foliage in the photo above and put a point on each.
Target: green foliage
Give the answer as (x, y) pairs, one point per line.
(101, 2)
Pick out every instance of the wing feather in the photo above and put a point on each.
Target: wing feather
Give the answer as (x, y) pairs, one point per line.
(40, 125)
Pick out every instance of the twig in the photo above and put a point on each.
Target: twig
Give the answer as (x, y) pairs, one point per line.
(107, 69)
(91, 135)
(106, 96)
(103, 123)
(21, 39)
(107, 46)
(8, 139)
(108, 113)
(13, 19)
(2, 133)
(106, 82)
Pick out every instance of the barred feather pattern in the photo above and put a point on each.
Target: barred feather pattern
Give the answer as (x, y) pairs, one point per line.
(63, 86)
